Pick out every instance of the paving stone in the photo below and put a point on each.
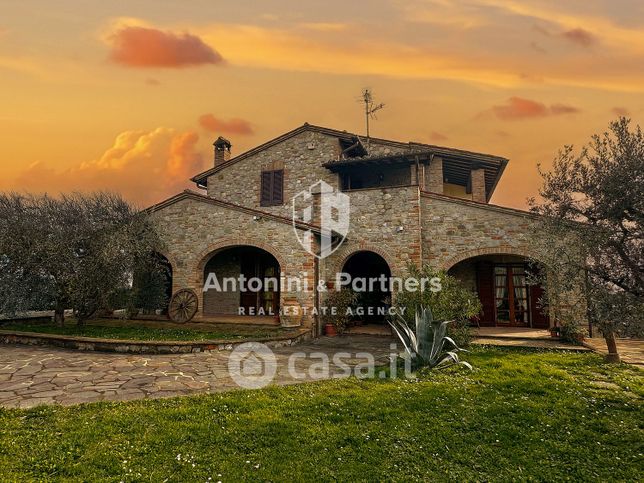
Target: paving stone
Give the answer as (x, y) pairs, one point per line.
(35, 375)
(47, 394)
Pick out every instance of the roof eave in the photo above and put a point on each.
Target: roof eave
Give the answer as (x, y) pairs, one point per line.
(499, 173)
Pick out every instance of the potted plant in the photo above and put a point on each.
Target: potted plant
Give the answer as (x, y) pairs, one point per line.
(329, 329)
(555, 332)
(337, 316)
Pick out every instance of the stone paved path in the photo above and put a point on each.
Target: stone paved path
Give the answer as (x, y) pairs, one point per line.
(31, 376)
(630, 350)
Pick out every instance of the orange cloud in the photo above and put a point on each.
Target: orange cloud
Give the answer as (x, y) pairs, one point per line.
(232, 126)
(620, 111)
(145, 166)
(580, 37)
(144, 47)
(518, 108)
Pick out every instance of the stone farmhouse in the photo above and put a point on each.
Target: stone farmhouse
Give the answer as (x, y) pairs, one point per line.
(409, 202)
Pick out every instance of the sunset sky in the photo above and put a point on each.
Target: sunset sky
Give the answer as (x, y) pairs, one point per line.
(129, 95)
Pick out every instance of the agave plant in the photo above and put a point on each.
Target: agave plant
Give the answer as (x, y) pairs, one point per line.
(426, 346)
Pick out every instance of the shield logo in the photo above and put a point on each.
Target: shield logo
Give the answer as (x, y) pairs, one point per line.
(324, 207)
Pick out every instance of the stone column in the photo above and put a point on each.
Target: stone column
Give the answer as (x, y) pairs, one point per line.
(478, 185)
(434, 176)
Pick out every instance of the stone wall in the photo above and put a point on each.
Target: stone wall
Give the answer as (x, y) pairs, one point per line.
(301, 157)
(376, 217)
(454, 230)
(194, 230)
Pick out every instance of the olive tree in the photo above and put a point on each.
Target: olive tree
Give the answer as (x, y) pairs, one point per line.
(74, 251)
(592, 207)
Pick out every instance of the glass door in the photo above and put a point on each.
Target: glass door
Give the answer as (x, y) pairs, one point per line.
(270, 296)
(511, 295)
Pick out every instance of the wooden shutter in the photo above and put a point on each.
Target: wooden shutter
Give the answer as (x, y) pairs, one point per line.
(485, 284)
(278, 187)
(272, 189)
(266, 191)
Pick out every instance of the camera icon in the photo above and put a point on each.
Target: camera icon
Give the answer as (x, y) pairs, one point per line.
(252, 365)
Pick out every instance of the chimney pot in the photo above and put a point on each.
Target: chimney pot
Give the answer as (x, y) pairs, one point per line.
(222, 150)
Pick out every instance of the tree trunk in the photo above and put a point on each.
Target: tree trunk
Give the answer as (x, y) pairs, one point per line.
(59, 316)
(613, 355)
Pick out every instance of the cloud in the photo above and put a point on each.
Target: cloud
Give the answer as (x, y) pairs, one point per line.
(563, 109)
(232, 126)
(364, 52)
(436, 136)
(146, 47)
(620, 111)
(518, 108)
(151, 81)
(580, 37)
(145, 166)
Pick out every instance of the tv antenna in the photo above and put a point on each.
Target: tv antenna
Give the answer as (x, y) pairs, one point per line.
(370, 109)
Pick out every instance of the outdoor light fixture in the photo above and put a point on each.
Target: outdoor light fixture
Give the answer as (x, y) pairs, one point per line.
(400, 229)
(257, 217)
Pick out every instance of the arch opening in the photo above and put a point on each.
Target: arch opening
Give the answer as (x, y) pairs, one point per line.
(373, 299)
(506, 289)
(241, 281)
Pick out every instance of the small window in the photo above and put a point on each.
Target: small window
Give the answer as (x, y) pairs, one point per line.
(272, 189)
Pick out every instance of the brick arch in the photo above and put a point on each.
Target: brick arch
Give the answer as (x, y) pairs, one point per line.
(347, 253)
(499, 250)
(224, 243)
(170, 258)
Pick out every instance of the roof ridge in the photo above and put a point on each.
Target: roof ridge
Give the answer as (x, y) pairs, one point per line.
(336, 132)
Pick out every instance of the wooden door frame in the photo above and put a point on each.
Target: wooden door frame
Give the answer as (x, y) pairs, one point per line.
(509, 276)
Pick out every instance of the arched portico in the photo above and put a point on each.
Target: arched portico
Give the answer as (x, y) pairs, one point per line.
(505, 287)
(370, 275)
(240, 280)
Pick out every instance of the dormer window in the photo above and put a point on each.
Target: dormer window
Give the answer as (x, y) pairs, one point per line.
(272, 188)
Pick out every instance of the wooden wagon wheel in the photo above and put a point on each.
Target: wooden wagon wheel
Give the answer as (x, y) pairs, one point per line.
(183, 306)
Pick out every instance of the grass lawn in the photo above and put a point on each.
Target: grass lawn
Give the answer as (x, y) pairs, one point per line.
(146, 330)
(519, 415)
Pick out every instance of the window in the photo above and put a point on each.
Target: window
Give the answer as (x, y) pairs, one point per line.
(272, 189)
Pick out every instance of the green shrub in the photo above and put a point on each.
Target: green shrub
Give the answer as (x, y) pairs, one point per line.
(453, 302)
(339, 301)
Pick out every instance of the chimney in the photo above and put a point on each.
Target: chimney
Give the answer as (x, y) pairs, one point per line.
(222, 150)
